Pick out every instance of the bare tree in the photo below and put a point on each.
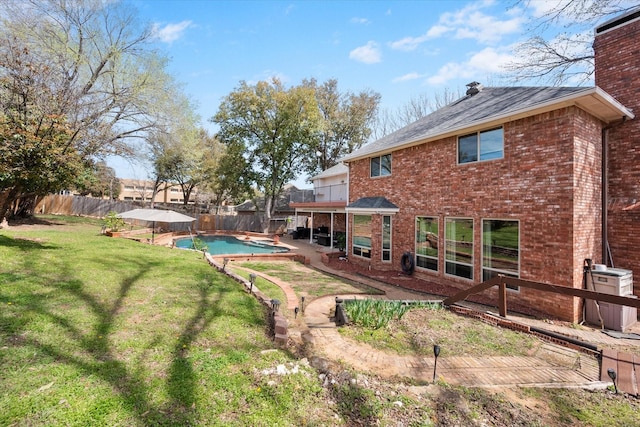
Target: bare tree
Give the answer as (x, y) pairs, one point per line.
(416, 108)
(567, 55)
(85, 63)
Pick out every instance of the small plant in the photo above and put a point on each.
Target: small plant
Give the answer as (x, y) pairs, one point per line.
(375, 313)
(113, 222)
(341, 239)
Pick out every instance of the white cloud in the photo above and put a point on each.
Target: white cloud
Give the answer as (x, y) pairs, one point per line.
(486, 61)
(408, 43)
(438, 30)
(369, 53)
(361, 21)
(408, 77)
(170, 32)
(542, 8)
(466, 23)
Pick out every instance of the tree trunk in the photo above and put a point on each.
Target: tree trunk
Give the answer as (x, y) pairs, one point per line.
(268, 206)
(7, 197)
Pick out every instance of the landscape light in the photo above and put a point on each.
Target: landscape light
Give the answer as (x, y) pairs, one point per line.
(225, 261)
(612, 374)
(252, 279)
(436, 353)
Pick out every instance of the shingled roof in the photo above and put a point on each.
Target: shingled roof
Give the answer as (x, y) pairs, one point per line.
(372, 204)
(494, 106)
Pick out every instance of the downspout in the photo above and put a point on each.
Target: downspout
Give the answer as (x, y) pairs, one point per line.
(606, 252)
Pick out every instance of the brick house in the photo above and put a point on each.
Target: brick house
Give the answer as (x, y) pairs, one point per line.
(523, 181)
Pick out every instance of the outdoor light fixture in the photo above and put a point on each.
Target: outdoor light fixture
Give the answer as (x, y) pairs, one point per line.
(275, 304)
(436, 353)
(252, 280)
(295, 311)
(225, 261)
(302, 305)
(612, 374)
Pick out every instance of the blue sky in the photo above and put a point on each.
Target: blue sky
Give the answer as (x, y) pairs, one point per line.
(399, 49)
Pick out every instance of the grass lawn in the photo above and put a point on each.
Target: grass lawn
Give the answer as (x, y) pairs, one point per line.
(308, 282)
(103, 331)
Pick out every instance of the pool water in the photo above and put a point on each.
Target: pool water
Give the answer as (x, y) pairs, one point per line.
(223, 245)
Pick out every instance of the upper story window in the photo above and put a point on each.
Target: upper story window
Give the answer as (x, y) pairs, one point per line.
(481, 146)
(381, 165)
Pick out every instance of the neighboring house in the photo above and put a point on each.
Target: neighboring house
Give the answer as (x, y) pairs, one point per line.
(326, 208)
(142, 191)
(522, 181)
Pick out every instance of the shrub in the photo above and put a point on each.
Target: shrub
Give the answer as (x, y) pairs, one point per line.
(113, 222)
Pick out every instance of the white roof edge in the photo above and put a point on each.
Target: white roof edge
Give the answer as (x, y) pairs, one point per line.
(614, 103)
(373, 210)
(571, 99)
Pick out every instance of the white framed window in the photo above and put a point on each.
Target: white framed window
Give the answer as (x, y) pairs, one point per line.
(386, 238)
(361, 236)
(458, 234)
(500, 249)
(381, 165)
(427, 242)
(481, 146)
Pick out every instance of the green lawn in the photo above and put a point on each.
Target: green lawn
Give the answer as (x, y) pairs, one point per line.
(103, 331)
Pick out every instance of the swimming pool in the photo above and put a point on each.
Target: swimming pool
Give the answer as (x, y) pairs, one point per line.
(223, 245)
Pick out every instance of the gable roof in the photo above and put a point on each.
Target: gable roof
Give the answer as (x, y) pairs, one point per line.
(335, 170)
(493, 106)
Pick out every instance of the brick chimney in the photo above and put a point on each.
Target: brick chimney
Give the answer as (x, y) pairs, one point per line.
(617, 58)
(617, 71)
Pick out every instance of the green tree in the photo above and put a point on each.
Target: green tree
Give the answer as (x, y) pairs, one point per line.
(99, 180)
(347, 121)
(275, 127)
(233, 177)
(82, 65)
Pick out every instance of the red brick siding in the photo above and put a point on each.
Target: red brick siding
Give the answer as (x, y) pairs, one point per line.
(617, 54)
(538, 182)
(324, 220)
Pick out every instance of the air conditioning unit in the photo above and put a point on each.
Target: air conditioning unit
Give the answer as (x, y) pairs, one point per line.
(611, 281)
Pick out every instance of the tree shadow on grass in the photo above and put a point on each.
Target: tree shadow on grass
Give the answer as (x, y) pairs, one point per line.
(88, 347)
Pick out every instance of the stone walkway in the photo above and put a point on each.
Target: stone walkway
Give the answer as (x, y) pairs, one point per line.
(551, 366)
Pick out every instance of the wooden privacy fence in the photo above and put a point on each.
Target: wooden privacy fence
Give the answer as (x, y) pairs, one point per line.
(57, 204)
(503, 281)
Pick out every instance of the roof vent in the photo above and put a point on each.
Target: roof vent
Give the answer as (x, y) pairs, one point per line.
(474, 87)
